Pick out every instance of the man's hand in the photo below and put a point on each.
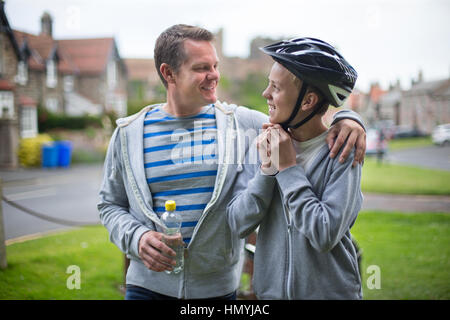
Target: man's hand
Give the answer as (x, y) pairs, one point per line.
(356, 137)
(155, 253)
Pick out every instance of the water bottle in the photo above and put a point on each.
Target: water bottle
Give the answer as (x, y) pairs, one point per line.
(172, 235)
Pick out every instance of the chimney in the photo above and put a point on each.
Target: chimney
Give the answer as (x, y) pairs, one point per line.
(420, 77)
(46, 24)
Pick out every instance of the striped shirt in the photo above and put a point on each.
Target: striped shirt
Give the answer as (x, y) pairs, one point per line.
(180, 160)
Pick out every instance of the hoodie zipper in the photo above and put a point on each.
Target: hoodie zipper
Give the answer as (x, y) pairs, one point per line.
(288, 218)
(216, 192)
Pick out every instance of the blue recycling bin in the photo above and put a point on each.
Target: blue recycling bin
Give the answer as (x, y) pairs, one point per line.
(49, 155)
(64, 153)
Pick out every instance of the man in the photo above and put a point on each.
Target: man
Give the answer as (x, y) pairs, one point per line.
(147, 164)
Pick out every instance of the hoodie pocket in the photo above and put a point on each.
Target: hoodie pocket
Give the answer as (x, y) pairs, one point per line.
(213, 252)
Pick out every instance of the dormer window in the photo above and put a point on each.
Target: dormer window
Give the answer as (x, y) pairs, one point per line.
(52, 78)
(22, 73)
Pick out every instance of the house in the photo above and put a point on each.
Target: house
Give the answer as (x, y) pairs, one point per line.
(389, 104)
(12, 109)
(75, 76)
(426, 105)
(144, 83)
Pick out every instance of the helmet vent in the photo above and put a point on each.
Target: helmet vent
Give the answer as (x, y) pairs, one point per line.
(341, 97)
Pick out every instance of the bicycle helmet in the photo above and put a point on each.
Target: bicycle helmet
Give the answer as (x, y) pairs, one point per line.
(316, 63)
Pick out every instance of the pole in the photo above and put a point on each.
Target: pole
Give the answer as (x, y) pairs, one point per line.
(3, 263)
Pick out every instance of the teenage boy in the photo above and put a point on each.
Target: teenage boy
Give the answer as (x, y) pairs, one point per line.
(305, 211)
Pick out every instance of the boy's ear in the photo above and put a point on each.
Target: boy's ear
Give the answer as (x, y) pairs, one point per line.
(167, 72)
(310, 101)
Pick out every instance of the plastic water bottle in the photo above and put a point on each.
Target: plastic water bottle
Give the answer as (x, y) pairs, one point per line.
(172, 234)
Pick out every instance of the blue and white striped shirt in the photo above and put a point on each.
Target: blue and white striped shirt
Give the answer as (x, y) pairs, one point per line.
(180, 160)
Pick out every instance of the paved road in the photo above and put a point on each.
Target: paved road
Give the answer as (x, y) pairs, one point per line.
(433, 157)
(406, 203)
(62, 193)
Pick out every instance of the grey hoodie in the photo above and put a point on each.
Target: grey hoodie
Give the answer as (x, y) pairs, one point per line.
(304, 248)
(212, 258)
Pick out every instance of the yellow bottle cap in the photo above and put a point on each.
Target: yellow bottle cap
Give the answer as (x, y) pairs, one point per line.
(170, 205)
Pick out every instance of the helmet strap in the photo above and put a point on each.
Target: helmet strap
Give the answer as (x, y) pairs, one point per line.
(312, 114)
(285, 125)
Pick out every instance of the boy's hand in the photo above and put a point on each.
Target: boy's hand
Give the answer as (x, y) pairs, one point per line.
(264, 150)
(283, 154)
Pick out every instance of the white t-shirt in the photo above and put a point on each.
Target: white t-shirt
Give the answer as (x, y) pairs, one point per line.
(307, 150)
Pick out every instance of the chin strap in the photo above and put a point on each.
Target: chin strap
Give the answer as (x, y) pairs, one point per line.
(286, 125)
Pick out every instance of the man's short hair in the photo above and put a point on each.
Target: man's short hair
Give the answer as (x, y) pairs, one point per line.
(169, 46)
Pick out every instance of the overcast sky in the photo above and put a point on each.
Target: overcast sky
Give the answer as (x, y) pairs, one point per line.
(384, 40)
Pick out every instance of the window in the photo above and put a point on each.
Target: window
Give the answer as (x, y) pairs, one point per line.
(52, 78)
(52, 104)
(28, 121)
(111, 74)
(7, 105)
(68, 83)
(22, 73)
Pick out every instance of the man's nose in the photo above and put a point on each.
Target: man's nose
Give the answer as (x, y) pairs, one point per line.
(213, 75)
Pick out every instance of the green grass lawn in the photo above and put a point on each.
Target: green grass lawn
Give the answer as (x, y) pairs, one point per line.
(37, 268)
(412, 251)
(402, 179)
(405, 143)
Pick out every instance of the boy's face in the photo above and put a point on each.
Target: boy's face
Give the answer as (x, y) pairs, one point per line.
(198, 76)
(281, 93)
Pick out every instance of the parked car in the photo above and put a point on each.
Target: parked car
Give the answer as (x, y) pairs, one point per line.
(407, 132)
(376, 142)
(441, 134)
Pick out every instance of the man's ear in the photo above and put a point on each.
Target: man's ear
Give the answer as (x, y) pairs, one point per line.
(167, 72)
(310, 100)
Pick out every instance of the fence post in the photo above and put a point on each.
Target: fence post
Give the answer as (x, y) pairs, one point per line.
(3, 263)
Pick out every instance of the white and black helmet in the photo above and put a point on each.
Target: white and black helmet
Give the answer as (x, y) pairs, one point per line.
(316, 63)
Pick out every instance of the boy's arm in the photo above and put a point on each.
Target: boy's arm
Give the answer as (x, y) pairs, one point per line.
(323, 221)
(251, 201)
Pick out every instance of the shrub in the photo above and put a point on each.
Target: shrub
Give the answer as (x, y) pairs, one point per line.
(30, 150)
(48, 120)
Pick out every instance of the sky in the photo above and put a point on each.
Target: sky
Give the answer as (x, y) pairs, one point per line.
(384, 40)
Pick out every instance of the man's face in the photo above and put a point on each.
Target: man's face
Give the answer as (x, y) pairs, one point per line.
(281, 93)
(197, 78)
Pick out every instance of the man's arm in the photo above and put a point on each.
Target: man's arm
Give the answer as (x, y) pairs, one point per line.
(131, 236)
(347, 126)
